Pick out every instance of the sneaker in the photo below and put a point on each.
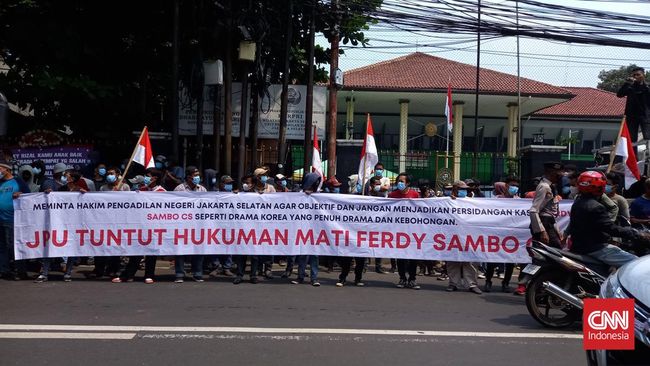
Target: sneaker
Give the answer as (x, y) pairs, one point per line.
(402, 283)
(340, 283)
(228, 273)
(237, 280)
(117, 280)
(414, 285)
(442, 277)
(148, 280)
(67, 278)
(40, 279)
(451, 288)
(315, 283)
(214, 273)
(253, 280)
(268, 274)
(197, 279)
(475, 290)
(380, 270)
(488, 286)
(178, 280)
(298, 281)
(520, 291)
(481, 276)
(359, 283)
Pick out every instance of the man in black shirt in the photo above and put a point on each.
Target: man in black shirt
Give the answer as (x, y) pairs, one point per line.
(637, 105)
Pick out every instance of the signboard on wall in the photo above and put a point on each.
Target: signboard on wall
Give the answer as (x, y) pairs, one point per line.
(269, 123)
(70, 155)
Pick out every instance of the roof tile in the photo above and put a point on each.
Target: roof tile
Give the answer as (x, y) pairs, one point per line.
(587, 102)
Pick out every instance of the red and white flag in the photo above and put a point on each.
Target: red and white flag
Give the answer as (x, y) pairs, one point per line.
(448, 109)
(369, 156)
(625, 149)
(316, 163)
(143, 154)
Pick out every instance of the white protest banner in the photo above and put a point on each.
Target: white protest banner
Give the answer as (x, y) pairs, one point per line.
(175, 223)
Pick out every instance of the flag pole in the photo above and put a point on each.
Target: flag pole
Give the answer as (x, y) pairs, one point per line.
(363, 174)
(447, 127)
(128, 165)
(612, 155)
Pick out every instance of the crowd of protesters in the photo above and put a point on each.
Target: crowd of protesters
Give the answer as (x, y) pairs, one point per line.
(558, 182)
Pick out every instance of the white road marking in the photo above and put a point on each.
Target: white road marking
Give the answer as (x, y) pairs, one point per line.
(65, 335)
(258, 330)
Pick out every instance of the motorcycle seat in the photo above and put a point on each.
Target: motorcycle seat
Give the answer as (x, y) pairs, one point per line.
(582, 258)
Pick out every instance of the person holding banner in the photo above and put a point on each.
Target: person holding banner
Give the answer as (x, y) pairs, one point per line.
(462, 271)
(192, 184)
(310, 184)
(247, 186)
(152, 182)
(376, 188)
(262, 185)
(404, 191)
(58, 179)
(10, 189)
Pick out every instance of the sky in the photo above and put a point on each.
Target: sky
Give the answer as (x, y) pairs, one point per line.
(553, 62)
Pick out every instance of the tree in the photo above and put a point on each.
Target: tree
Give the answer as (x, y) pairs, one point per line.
(611, 80)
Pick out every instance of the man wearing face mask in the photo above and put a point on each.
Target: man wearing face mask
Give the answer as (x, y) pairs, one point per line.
(26, 172)
(247, 183)
(281, 184)
(38, 168)
(192, 184)
(112, 180)
(404, 191)
(262, 185)
(247, 186)
(545, 206)
(151, 183)
(57, 181)
(459, 271)
(310, 184)
(10, 188)
(222, 264)
(99, 178)
(384, 182)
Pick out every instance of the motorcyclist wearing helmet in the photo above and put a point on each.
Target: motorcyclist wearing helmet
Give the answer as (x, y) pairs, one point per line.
(592, 227)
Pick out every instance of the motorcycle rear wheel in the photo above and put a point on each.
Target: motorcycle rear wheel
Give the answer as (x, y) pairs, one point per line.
(546, 308)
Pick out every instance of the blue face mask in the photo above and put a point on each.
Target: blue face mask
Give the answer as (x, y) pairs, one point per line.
(566, 189)
(283, 183)
(358, 188)
(159, 165)
(513, 190)
(446, 193)
(196, 180)
(101, 171)
(111, 178)
(336, 190)
(401, 186)
(264, 178)
(608, 188)
(379, 172)
(227, 187)
(36, 171)
(326, 190)
(146, 180)
(462, 193)
(64, 179)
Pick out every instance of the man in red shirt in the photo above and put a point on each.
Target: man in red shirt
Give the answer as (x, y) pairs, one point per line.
(403, 190)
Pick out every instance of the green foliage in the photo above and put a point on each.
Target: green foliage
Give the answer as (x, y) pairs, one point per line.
(611, 80)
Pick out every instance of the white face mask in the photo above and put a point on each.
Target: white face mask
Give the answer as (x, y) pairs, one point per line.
(245, 187)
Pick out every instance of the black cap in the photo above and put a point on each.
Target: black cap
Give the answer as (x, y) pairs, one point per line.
(553, 165)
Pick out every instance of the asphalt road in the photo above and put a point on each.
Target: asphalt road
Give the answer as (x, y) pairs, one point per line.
(271, 323)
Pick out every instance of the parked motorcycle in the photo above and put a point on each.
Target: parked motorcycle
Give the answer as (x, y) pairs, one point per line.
(558, 277)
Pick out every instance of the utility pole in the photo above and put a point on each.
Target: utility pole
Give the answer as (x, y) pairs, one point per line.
(331, 120)
(309, 107)
(478, 83)
(174, 81)
(284, 99)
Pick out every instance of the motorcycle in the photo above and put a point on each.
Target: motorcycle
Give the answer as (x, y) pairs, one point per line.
(559, 279)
